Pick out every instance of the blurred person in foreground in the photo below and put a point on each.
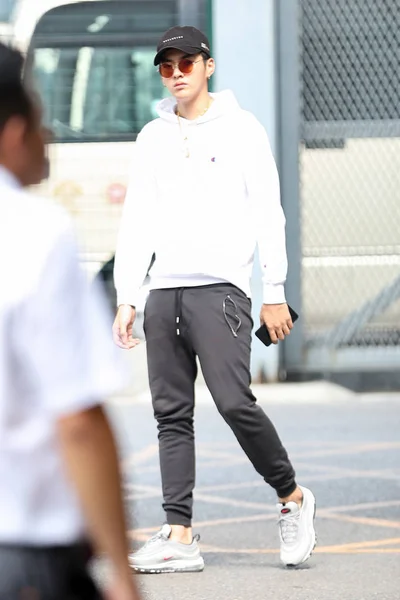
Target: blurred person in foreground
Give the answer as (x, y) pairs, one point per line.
(205, 192)
(60, 488)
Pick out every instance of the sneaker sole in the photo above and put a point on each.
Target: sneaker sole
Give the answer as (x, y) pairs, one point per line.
(173, 566)
(313, 545)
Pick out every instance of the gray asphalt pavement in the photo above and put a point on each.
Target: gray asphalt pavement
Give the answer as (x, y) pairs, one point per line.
(345, 447)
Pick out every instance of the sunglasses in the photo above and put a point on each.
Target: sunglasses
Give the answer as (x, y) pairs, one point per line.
(185, 65)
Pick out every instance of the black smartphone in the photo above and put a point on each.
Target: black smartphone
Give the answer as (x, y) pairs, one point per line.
(263, 334)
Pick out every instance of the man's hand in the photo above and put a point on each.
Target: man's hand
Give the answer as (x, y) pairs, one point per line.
(123, 327)
(277, 319)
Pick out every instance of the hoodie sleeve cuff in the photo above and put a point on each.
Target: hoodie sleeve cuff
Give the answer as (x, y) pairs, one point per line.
(274, 293)
(130, 299)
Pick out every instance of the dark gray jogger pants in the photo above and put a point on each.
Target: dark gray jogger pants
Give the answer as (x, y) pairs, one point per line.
(214, 323)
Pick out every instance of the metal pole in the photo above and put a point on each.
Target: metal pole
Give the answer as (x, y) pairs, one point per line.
(289, 132)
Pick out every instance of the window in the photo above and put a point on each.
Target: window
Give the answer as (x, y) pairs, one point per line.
(95, 20)
(97, 93)
(6, 8)
(93, 66)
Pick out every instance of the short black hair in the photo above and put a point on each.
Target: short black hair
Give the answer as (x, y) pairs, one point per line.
(15, 99)
(203, 55)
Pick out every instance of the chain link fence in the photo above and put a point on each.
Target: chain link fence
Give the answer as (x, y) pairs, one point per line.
(350, 173)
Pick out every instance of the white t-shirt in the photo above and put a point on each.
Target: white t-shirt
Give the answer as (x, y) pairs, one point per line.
(56, 358)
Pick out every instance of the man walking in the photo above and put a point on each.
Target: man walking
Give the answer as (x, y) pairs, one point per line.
(60, 496)
(205, 191)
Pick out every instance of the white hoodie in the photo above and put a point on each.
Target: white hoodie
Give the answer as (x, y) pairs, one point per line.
(204, 215)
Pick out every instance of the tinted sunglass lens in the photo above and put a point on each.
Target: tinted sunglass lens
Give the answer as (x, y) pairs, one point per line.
(185, 66)
(166, 70)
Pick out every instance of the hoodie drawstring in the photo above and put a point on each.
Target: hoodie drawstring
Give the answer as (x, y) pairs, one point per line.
(178, 310)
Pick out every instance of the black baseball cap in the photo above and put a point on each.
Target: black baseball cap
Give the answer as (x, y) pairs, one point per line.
(187, 39)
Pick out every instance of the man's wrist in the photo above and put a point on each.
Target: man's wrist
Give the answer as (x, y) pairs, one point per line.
(273, 303)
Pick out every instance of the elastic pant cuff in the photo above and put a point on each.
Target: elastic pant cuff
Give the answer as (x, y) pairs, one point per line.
(176, 518)
(286, 491)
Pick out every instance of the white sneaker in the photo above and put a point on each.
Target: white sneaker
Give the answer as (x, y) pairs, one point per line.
(296, 529)
(160, 555)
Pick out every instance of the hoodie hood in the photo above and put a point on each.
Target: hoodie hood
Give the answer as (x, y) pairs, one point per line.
(224, 103)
